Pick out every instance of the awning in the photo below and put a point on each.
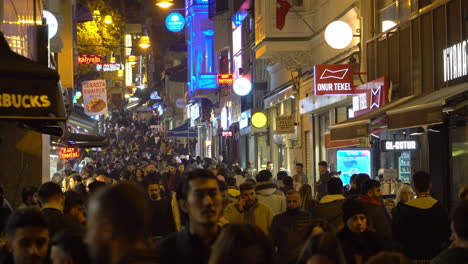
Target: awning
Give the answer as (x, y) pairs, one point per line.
(29, 91)
(279, 96)
(425, 109)
(86, 141)
(359, 127)
(183, 131)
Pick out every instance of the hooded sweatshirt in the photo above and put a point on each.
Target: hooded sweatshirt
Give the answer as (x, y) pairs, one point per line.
(378, 218)
(267, 193)
(421, 227)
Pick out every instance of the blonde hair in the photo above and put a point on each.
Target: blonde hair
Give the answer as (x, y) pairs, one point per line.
(404, 188)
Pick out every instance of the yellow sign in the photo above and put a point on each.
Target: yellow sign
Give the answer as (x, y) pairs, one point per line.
(259, 120)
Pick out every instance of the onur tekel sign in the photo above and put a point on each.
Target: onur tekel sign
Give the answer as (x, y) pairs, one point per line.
(334, 79)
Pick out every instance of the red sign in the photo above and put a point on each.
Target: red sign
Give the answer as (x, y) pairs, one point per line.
(334, 79)
(340, 143)
(89, 59)
(69, 153)
(225, 78)
(227, 133)
(370, 96)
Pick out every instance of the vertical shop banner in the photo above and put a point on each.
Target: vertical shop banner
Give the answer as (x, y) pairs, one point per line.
(334, 79)
(95, 97)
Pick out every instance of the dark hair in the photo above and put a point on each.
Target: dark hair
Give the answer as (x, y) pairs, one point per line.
(352, 207)
(48, 191)
(323, 244)
(230, 181)
(269, 162)
(238, 171)
(126, 206)
(386, 257)
(245, 186)
(263, 176)
(421, 181)
(222, 186)
(25, 217)
(353, 178)
(300, 165)
(360, 179)
(70, 241)
(323, 164)
(281, 175)
(76, 178)
(95, 186)
(292, 191)
(368, 185)
(334, 186)
(193, 175)
(288, 181)
(460, 220)
(236, 237)
(72, 199)
(27, 192)
(102, 172)
(223, 172)
(251, 181)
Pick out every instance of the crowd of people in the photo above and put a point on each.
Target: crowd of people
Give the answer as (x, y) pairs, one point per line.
(133, 204)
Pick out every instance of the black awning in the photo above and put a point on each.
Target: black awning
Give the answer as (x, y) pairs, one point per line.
(28, 91)
(86, 141)
(183, 131)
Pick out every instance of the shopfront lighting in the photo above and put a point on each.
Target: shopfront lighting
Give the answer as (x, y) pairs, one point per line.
(164, 3)
(132, 59)
(120, 73)
(108, 19)
(112, 59)
(144, 42)
(387, 24)
(96, 14)
(338, 34)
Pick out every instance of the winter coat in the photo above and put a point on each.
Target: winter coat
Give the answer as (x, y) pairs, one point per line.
(288, 234)
(421, 228)
(322, 188)
(267, 194)
(359, 245)
(258, 214)
(330, 209)
(378, 218)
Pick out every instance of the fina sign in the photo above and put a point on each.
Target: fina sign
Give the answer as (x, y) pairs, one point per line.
(175, 22)
(335, 79)
(399, 145)
(455, 61)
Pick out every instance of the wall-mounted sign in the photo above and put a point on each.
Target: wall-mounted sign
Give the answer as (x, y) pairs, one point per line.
(108, 67)
(194, 111)
(225, 78)
(175, 22)
(285, 125)
(334, 79)
(243, 123)
(89, 59)
(455, 61)
(95, 97)
(370, 96)
(52, 24)
(242, 86)
(259, 120)
(69, 153)
(399, 145)
(227, 133)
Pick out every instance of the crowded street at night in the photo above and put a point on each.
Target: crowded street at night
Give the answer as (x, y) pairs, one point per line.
(234, 131)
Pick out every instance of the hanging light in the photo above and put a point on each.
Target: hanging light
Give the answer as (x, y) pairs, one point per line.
(96, 14)
(132, 59)
(108, 19)
(120, 73)
(164, 3)
(112, 59)
(144, 42)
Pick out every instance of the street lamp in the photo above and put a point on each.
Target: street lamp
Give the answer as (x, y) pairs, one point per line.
(108, 19)
(164, 3)
(144, 42)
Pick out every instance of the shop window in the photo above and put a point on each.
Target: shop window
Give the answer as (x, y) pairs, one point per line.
(387, 14)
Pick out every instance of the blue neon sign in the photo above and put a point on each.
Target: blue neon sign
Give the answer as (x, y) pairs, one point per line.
(175, 22)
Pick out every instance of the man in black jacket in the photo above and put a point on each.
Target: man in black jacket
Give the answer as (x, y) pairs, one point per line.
(200, 199)
(288, 230)
(421, 226)
(321, 184)
(330, 206)
(52, 202)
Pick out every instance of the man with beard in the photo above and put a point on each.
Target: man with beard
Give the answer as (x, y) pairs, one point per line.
(171, 179)
(162, 223)
(249, 210)
(27, 237)
(119, 217)
(200, 199)
(152, 174)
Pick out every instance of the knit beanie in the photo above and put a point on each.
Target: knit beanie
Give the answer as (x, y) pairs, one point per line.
(352, 207)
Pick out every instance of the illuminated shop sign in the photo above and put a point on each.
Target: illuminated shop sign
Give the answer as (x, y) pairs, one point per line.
(399, 145)
(259, 120)
(243, 123)
(175, 22)
(370, 96)
(242, 86)
(89, 59)
(225, 78)
(69, 153)
(335, 79)
(52, 23)
(108, 67)
(455, 61)
(227, 133)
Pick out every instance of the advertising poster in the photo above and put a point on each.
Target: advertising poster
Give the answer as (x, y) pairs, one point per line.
(353, 161)
(95, 97)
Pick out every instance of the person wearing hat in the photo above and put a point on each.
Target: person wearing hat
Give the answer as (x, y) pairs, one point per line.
(359, 241)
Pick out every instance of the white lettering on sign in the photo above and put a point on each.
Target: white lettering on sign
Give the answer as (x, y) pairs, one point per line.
(342, 87)
(325, 87)
(400, 145)
(455, 61)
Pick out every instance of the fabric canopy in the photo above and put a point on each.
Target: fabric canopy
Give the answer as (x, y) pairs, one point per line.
(183, 131)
